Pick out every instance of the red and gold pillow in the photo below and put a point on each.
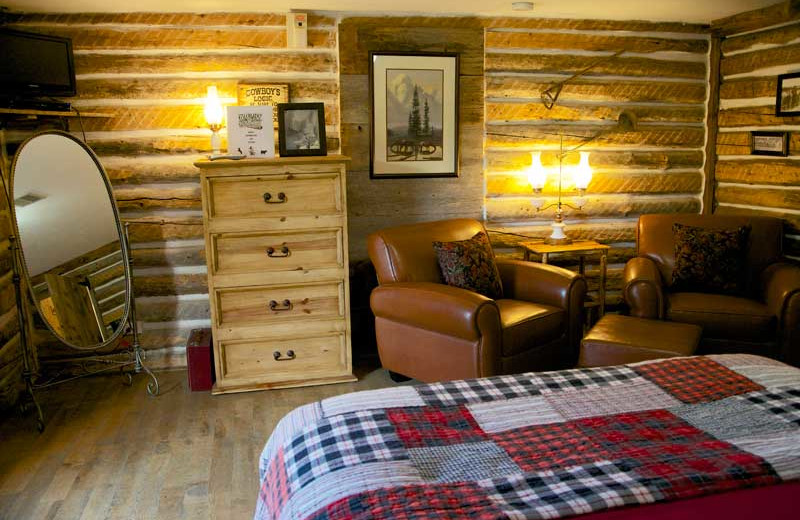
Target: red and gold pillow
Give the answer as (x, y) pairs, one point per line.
(710, 260)
(469, 264)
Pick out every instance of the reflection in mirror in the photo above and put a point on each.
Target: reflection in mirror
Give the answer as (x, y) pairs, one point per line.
(69, 236)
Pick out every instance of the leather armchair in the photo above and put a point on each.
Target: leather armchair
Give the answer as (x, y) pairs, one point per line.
(435, 332)
(765, 320)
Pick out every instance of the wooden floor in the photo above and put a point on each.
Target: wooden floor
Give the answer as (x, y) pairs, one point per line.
(112, 451)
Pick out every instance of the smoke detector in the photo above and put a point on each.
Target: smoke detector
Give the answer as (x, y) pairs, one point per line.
(522, 6)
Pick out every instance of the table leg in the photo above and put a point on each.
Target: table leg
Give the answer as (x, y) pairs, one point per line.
(603, 266)
(544, 257)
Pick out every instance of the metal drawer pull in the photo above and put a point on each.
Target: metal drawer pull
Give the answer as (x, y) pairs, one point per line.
(281, 198)
(289, 355)
(284, 252)
(287, 305)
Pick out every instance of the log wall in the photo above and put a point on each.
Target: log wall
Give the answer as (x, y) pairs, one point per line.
(756, 47)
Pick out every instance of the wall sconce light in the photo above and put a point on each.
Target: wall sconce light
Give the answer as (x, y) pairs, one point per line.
(214, 113)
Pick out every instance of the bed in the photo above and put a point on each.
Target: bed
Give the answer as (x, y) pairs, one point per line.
(699, 437)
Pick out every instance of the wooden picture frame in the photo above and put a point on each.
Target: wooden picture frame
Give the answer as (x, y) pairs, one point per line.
(787, 99)
(414, 111)
(769, 143)
(301, 129)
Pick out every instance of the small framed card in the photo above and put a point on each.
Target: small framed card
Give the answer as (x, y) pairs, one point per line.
(769, 143)
(250, 131)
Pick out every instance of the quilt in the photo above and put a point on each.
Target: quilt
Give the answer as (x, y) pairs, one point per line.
(537, 445)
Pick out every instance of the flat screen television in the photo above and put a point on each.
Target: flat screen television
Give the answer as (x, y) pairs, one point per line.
(35, 65)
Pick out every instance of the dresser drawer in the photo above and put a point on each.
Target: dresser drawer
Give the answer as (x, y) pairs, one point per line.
(263, 305)
(278, 195)
(281, 251)
(269, 360)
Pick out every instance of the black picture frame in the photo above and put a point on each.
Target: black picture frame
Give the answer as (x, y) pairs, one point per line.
(769, 143)
(787, 99)
(433, 155)
(301, 129)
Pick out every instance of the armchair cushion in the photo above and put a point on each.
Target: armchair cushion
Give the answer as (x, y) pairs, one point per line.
(469, 264)
(723, 316)
(709, 260)
(526, 323)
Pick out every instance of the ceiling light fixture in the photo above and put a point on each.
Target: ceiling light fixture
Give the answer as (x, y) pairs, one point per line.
(522, 6)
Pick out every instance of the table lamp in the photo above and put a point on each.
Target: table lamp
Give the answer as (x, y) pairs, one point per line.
(213, 112)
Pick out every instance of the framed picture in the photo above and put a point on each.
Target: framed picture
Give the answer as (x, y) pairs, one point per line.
(769, 143)
(250, 131)
(250, 94)
(301, 129)
(414, 115)
(787, 102)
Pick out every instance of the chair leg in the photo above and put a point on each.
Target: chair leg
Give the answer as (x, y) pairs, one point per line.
(398, 378)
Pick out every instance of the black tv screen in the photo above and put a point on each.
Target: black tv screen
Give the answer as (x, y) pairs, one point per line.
(35, 65)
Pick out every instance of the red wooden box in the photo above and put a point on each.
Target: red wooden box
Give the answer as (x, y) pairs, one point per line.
(200, 360)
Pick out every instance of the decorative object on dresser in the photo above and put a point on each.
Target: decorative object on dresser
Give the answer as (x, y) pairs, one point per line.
(250, 132)
(271, 94)
(301, 129)
(414, 114)
(276, 249)
(213, 112)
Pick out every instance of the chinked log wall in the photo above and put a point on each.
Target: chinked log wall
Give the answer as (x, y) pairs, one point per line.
(757, 46)
(150, 71)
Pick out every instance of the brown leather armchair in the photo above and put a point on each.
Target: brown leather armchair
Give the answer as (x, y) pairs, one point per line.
(765, 320)
(435, 332)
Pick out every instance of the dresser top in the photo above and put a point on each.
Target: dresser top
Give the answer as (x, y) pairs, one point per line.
(275, 161)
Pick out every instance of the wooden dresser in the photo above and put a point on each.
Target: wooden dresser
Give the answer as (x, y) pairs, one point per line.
(276, 250)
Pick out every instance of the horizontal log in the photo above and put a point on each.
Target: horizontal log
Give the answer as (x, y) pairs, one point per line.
(603, 182)
(776, 36)
(9, 326)
(161, 197)
(619, 66)
(754, 116)
(171, 308)
(159, 229)
(748, 88)
(177, 37)
(157, 341)
(761, 59)
(598, 89)
(169, 284)
(791, 221)
(780, 172)
(503, 235)
(514, 160)
(145, 170)
(592, 42)
(267, 62)
(10, 384)
(8, 299)
(518, 208)
(751, 20)
(738, 143)
(505, 111)
(172, 256)
(170, 19)
(172, 145)
(515, 136)
(762, 197)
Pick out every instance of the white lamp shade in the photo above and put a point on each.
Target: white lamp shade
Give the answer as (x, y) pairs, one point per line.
(213, 107)
(537, 175)
(583, 172)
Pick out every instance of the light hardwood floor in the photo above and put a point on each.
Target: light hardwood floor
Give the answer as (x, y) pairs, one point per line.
(111, 451)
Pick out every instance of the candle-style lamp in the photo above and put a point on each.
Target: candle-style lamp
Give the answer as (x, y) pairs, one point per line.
(214, 114)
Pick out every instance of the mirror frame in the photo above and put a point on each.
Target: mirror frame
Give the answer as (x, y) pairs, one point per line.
(128, 313)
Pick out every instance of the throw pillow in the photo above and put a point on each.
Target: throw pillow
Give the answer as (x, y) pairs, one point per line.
(469, 264)
(710, 260)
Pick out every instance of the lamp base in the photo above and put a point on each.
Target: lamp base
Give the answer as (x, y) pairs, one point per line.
(557, 237)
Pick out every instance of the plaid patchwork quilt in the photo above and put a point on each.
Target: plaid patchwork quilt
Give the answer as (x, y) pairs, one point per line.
(537, 445)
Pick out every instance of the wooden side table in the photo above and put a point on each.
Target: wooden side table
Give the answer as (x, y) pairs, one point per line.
(583, 248)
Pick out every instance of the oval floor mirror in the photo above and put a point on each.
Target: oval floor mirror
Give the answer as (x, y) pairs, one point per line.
(72, 251)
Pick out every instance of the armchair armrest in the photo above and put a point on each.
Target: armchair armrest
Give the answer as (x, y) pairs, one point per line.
(642, 288)
(781, 286)
(437, 307)
(542, 283)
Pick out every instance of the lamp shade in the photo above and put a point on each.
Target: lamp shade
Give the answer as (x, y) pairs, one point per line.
(536, 172)
(213, 107)
(583, 172)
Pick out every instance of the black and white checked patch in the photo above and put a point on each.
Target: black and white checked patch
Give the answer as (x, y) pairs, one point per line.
(468, 391)
(342, 441)
(785, 404)
(576, 490)
(583, 378)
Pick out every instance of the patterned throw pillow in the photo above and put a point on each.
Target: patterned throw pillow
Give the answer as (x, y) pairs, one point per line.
(710, 260)
(469, 264)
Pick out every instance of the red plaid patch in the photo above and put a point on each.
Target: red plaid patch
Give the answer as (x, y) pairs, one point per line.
(673, 456)
(696, 379)
(464, 500)
(275, 489)
(426, 426)
(549, 446)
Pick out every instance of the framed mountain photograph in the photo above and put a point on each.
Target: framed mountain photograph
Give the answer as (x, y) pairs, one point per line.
(414, 115)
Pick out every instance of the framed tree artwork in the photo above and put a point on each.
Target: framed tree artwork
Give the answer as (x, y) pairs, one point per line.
(301, 129)
(787, 102)
(414, 115)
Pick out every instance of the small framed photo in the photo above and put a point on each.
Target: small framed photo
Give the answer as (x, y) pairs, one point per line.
(414, 115)
(769, 143)
(301, 129)
(787, 102)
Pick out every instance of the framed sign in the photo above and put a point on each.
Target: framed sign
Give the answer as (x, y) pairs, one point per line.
(270, 94)
(414, 115)
(301, 129)
(250, 131)
(787, 102)
(769, 143)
